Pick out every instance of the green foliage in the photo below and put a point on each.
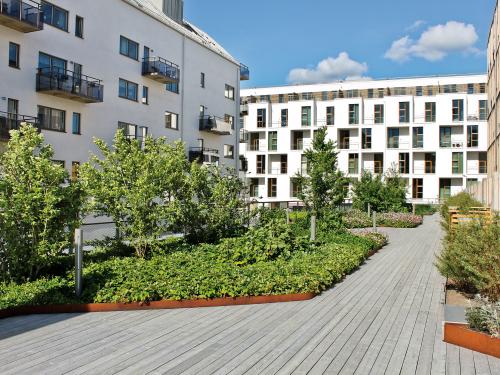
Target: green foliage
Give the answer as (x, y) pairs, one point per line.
(471, 258)
(426, 209)
(39, 207)
(484, 316)
(360, 219)
(383, 194)
(136, 186)
(462, 201)
(324, 186)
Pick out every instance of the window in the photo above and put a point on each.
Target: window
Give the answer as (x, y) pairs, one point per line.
(482, 88)
(370, 93)
(264, 99)
(378, 163)
(79, 27)
(483, 110)
(306, 116)
(418, 137)
(418, 188)
(77, 123)
(430, 91)
(330, 115)
(380, 92)
(457, 163)
(52, 119)
(445, 136)
(404, 163)
(129, 48)
(229, 151)
(419, 91)
(272, 187)
(55, 16)
(404, 112)
(284, 118)
(132, 131)
(430, 162)
(353, 163)
(352, 93)
(145, 95)
(128, 90)
(458, 110)
(230, 120)
(281, 98)
(229, 92)
(399, 91)
(307, 96)
(353, 114)
(366, 138)
(324, 95)
(470, 88)
(54, 63)
(261, 164)
(272, 141)
(430, 112)
(202, 111)
(344, 139)
(261, 118)
(472, 136)
(379, 114)
(254, 187)
(303, 164)
(297, 140)
(171, 120)
(284, 164)
(172, 87)
(292, 97)
(393, 138)
(14, 55)
(75, 166)
(60, 163)
(483, 162)
(296, 190)
(202, 80)
(449, 89)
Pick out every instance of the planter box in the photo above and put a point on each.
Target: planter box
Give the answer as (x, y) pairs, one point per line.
(460, 334)
(155, 305)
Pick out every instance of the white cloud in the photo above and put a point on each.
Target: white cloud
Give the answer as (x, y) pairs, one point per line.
(330, 69)
(436, 42)
(415, 25)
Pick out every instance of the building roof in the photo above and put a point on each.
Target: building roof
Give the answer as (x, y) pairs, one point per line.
(189, 30)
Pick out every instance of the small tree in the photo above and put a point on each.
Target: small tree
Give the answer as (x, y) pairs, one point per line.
(39, 207)
(323, 186)
(136, 185)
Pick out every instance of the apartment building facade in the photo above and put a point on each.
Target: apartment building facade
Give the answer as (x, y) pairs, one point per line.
(432, 130)
(83, 69)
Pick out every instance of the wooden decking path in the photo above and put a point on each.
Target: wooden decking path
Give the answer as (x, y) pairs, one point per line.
(384, 318)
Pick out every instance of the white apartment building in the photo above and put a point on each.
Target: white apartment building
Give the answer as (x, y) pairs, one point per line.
(433, 130)
(83, 69)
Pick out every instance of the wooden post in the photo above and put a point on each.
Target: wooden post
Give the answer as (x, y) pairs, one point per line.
(78, 261)
(288, 216)
(313, 228)
(374, 221)
(369, 209)
(414, 208)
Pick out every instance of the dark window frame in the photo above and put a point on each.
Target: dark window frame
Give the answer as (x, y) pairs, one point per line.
(169, 122)
(49, 119)
(79, 129)
(79, 27)
(17, 62)
(50, 21)
(127, 84)
(126, 52)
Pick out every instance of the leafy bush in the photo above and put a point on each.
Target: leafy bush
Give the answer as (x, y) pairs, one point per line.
(39, 208)
(426, 209)
(471, 258)
(484, 316)
(360, 219)
(462, 201)
(379, 239)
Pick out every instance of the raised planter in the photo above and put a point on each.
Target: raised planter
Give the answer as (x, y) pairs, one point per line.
(154, 305)
(460, 334)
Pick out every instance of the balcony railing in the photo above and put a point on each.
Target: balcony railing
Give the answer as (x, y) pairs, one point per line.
(202, 154)
(70, 85)
(12, 121)
(244, 73)
(215, 125)
(160, 70)
(24, 16)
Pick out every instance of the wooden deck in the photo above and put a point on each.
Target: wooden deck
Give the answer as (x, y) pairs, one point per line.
(384, 318)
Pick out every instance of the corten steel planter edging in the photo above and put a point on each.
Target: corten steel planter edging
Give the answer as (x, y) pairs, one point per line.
(461, 335)
(154, 305)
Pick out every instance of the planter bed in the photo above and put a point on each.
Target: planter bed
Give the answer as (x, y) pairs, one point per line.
(460, 334)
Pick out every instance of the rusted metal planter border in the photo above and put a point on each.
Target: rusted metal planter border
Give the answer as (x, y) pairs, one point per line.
(461, 335)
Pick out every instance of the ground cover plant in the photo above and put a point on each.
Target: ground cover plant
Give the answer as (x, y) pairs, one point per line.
(359, 219)
(484, 317)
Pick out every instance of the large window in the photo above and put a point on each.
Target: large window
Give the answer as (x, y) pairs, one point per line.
(55, 16)
(171, 120)
(284, 164)
(353, 163)
(418, 188)
(445, 136)
(393, 138)
(76, 125)
(483, 110)
(404, 163)
(272, 141)
(430, 162)
(353, 114)
(378, 163)
(472, 136)
(129, 48)
(230, 120)
(457, 163)
(52, 62)
(306, 116)
(330, 115)
(261, 117)
(366, 138)
(261, 164)
(52, 119)
(229, 92)
(430, 112)
(128, 90)
(14, 55)
(404, 112)
(132, 131)
(284, 118)
(172, 87)
(379, 114)
(458, 110)
(483, 162)
(272, 187)
(418, 137)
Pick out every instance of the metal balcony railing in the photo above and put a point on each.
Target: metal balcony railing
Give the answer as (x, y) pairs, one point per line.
(25, 16)
(213, 124)
(12, 121)
(67, 84)
(201, 154)
(160, 70)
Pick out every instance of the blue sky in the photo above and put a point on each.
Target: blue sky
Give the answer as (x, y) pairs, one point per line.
(283, 41)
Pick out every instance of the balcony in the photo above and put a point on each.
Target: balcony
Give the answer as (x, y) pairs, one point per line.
(69, 85)
(215, 125)
(244, 73)
(160, 70)
(202, 154)
(24, 16)
(11, 121)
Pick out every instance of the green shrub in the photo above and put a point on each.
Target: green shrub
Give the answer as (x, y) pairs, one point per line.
(360, 219)
(471, 258)
(484, 316)
(462, 201)
(426, 209)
